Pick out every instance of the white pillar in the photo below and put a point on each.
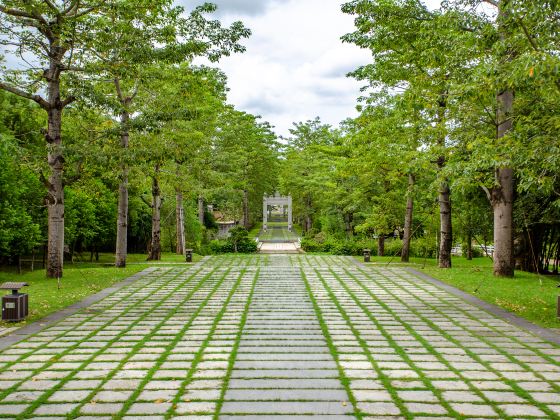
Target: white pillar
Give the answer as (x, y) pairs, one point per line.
(265, 212)
(290, 213)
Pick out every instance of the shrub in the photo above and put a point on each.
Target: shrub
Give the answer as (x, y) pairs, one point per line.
(310, 245)
(337, 246)
(393, 247)
(476, 251)
(419, 247)
(238, 239)
(423, 248)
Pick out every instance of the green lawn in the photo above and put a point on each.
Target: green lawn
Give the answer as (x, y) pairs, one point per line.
(527, 295)
(255, 230)
(106, 258)
(81, 279)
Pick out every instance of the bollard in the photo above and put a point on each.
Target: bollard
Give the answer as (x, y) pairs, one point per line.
(188, 255)
(367, 255)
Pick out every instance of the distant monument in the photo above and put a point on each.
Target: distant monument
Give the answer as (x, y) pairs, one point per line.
(277, 200)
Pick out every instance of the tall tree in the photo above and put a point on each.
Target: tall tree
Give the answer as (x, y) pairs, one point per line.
(50, 37)
(414, 49)
(160, 34)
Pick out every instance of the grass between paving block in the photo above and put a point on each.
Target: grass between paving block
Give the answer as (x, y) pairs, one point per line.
(200, 353)
(513, 384)
(399, 350)
(233, 354)
(79, 282)
(199, 282)
(332, 348)
(531, 296)
(72, 372)
(528, 295)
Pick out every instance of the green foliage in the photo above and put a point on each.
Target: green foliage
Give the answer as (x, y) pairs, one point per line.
(90, 216)
(20, 189)
(420, 247)
(238, 241)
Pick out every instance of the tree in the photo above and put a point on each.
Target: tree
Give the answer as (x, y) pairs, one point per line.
(246, 154)
(419, 51)
(127, 53)
(50, 36)
(307, 168)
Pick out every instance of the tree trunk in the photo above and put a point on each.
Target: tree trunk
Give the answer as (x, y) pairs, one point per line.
(201, 210)
(446, 235)
(502, 193)
(444, 196)
(469, 245)
(180, 218)
(308, 220)
(381, 245)
(348, 219)
(155, 244)
(122, 218)
(407, 237)
(245, 209)
(502, 204)
(55, 242)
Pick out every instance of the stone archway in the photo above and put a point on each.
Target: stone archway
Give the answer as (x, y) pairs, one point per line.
(277, 200)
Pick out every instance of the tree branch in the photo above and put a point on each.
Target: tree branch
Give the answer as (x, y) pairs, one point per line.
(135, 90)
(71, 7)
(487, 191)
(51, 6)
(16, 91)
(533, 44)
(150, 205)
(528, 36)
(68, 101)
(118, 87)
(86, 11)
(44, 180)
(17, 13)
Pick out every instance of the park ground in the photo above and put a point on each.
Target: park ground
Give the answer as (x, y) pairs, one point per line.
(263, 336)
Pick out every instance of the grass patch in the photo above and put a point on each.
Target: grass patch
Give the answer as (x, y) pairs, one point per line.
(528, 295)
(81, 279)
(108, 258)
(79, 282)
(255, 230)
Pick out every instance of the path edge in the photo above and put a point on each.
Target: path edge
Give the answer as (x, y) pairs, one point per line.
(23, 333)
(542, 332)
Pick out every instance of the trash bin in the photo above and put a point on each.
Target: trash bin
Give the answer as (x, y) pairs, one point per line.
(367, 255)
(15, 306)
(188, 255)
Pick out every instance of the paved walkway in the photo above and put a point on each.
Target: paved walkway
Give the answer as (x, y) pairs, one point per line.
(290, 336)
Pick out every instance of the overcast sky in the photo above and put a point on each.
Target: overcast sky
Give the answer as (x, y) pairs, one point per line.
(295, 65)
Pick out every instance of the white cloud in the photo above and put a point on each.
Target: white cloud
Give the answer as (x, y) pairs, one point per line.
(234, 7)
(295, 65)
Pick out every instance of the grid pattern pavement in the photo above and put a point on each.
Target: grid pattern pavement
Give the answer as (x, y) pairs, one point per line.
(281, 336)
